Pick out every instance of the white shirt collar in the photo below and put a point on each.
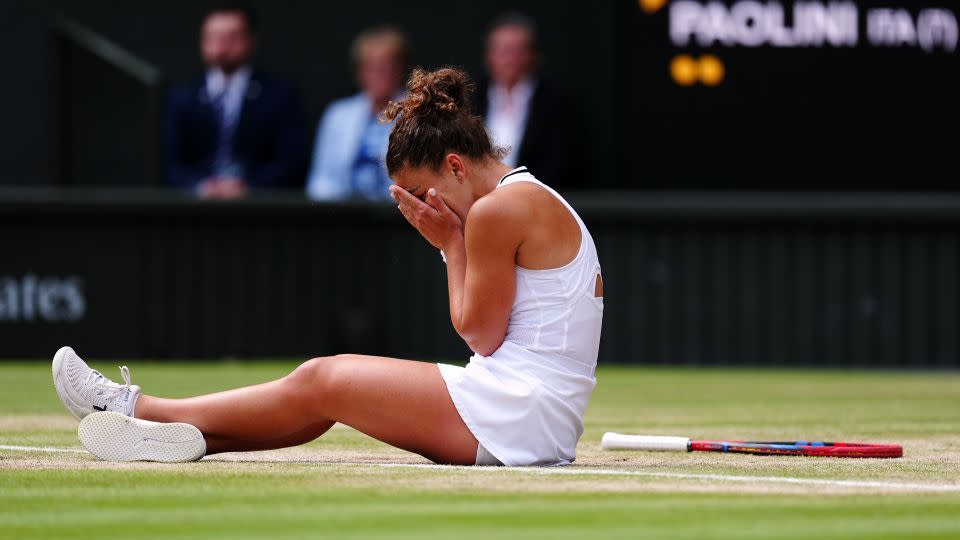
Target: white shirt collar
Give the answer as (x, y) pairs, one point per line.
(521, 92)
(218, 81)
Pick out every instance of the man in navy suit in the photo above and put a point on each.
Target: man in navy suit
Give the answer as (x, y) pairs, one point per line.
(234, 129)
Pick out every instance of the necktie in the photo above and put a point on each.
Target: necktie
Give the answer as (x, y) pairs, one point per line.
(223, 157)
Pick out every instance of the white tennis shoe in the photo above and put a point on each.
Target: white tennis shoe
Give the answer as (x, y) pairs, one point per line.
(84, 391)
(115, 437)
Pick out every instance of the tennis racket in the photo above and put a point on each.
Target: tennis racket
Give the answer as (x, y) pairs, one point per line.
(619, 441)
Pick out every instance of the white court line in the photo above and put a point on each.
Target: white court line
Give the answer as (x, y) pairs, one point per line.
(567, 471)
(688, 476)
(40, 449)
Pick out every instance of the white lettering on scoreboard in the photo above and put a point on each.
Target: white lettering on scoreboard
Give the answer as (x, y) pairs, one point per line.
(41, 299)
(750, 23)
(934, 28)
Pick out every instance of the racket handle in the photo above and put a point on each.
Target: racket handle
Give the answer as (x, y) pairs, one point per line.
(619, 441)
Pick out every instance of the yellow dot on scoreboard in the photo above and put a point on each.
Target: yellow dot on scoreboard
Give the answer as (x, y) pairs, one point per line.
(712, 70)
(652, 6)
(683, 69)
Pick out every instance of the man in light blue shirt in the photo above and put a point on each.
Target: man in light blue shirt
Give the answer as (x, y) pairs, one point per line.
(351, 143)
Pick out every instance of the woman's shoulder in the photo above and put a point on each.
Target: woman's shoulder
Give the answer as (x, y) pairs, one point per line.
(512, 205)
(501, 207)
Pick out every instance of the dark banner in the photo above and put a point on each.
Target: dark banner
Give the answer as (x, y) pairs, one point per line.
(800, 280)
(789, 94)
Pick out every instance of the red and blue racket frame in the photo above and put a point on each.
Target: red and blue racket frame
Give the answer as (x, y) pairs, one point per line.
(800, 448)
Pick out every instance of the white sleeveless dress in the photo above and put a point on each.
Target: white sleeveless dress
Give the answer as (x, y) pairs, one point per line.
(525, 402)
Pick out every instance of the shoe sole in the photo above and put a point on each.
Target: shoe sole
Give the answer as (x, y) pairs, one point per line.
(115, 437)
(68, 403)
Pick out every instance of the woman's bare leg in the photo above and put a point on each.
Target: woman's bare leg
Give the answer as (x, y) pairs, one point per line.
(400, 402)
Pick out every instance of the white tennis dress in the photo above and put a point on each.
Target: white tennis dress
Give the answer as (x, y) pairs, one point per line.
(525, 402)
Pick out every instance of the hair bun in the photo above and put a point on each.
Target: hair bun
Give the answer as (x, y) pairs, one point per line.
(444, 91)
(433, 120)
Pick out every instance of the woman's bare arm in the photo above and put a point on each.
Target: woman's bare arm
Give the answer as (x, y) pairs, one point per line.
(493, 232)
(481, 279)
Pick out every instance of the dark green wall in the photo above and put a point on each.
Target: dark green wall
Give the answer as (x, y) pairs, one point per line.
(771, 280)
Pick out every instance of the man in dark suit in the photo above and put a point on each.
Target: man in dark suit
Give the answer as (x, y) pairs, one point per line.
(526, 113)
(233, 129)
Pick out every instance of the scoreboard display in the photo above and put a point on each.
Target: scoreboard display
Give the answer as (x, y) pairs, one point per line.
(788, 95)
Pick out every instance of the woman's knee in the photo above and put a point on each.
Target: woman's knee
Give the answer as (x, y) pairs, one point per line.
(316, 379)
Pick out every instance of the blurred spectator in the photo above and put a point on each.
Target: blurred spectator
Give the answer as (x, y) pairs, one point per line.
(526, 113)
(233, 129)
(351, 143)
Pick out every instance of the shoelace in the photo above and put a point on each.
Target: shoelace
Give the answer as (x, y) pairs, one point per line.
(106, 389)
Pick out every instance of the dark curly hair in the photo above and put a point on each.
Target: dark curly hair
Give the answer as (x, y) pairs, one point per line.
(434, 120)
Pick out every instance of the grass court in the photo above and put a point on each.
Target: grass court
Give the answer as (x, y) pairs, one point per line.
(346, 485)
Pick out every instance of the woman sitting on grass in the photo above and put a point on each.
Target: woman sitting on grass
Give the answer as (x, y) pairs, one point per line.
(525, 294)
